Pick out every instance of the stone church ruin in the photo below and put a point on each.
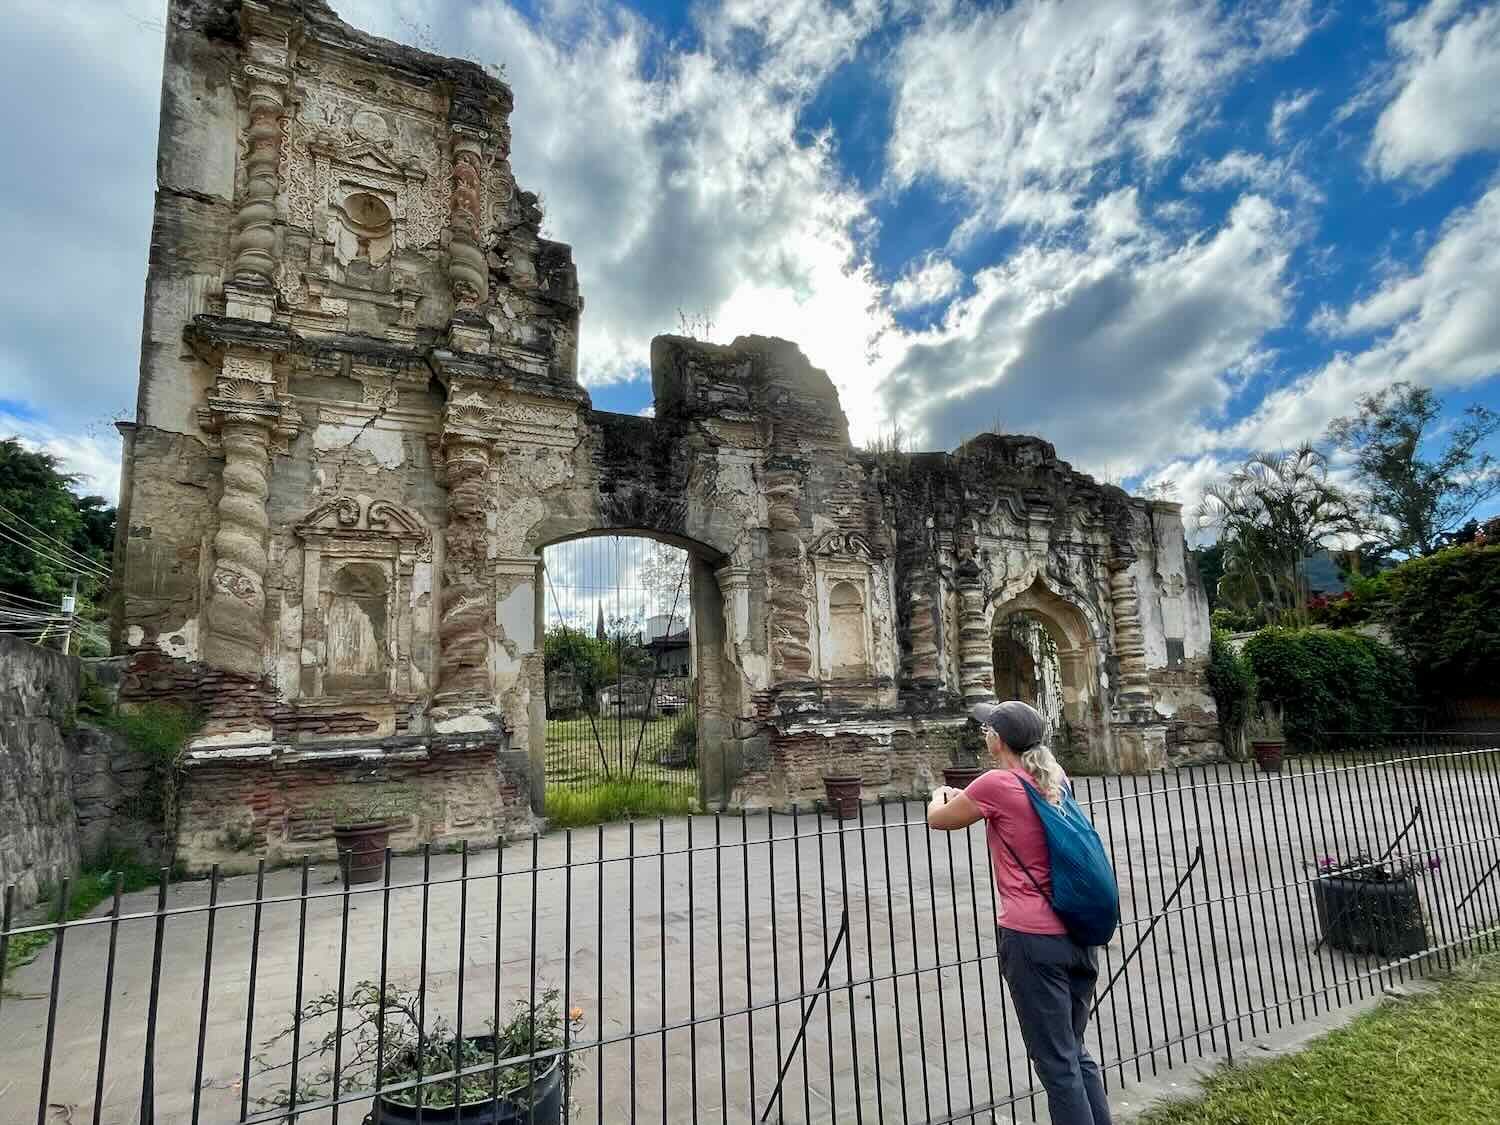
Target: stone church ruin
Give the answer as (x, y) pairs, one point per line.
(359, 423)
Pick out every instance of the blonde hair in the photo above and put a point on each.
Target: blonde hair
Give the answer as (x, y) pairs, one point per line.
(1045, 771)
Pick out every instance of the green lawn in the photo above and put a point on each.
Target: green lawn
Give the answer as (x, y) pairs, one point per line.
(574, 750)
(1433, 1059)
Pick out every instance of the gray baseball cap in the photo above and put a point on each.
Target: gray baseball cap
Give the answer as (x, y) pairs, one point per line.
(1019, 724)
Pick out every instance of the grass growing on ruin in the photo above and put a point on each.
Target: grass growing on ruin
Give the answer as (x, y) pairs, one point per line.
(94, 883)
(1429, 1059)
(616, 800)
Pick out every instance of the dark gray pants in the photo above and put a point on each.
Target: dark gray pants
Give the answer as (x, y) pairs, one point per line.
(1051, 981)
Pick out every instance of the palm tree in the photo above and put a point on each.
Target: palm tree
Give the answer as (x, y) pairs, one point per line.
(1271, 513)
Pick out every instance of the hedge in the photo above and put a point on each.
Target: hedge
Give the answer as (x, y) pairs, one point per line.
(1444, 610)
(1329, 683)
(1232, 684)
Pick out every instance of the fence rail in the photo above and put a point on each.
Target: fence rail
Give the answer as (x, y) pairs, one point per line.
(753, 967)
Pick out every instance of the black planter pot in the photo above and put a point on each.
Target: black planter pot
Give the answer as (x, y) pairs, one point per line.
(1361, 916)
(545, 1107)
(361, 849)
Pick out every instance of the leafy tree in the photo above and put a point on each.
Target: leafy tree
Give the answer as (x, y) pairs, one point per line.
(1444, 610)
(1417, 501)
(1210, 560)
(1271, 513)
(48, 533)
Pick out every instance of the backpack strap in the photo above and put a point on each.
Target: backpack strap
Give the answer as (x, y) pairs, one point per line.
(1022, 778)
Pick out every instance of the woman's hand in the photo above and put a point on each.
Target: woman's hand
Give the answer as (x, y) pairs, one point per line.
(951, 809)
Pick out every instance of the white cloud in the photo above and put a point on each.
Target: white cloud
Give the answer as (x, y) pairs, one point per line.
(1269, 175)
(1022, 107)
(1284, 110)
(1122, 353)
(1435, 326)
(931, 281)
(93, 455)
(1447, 100)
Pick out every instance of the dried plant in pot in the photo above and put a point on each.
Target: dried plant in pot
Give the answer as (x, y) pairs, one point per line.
(380, 1040)
(362, 815)
(1267, 742)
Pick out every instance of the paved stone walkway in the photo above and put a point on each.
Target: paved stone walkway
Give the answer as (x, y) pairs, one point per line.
(719, 943)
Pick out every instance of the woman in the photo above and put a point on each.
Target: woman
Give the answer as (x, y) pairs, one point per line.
(1051, 977)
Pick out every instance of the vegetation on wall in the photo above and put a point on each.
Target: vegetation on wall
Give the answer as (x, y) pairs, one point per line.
(158, 733)
(1328, 684)
(1232, 684)
(1444, 610)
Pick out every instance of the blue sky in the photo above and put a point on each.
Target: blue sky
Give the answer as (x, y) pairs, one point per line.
(1161, 234)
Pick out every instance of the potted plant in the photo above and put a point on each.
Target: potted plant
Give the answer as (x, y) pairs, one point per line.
(382, 1045)
(362, 816)
(967, 758)
(1371, 906)
(1267, 742)
(842, 791)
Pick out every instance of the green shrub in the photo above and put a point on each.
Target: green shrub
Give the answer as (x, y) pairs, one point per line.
(1328, 684)
(1444, 610)
(158, 733)
(1232, 684)
(1234, 621)
(618, 799)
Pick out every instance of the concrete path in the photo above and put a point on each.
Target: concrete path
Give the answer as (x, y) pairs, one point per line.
(719, 927)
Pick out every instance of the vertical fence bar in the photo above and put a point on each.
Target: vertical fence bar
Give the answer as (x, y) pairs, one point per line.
(911, 903)
(60, 934)
(109, 993)
(1394, 805)
(1135, 802)
(1285, 888)
(1325, 820)
(958, 968)
(864, 868)
(148, 1056)
(208, 966)
(1167, 921)
(1489, 801)
(1460, 824)
(385, 953)
(890, 918)
(630, 953)
(1308, 911)
(567, 952)
(599, 971)
(1109, 820)
(661, 882)
(1351, 817)
(749, 941)
(859, 1113)
(1427, 828)
(1197, 925)
(1088, 796)
(1388, 812)
(937, 973)
(775, 951)
(421, 1089)
(499, 961)
(463, 933)
(338, 1017)
(1251, 793)
(260, 896)
(531, 984)
(692, 972)
(833, 1086)
(984, 1002)
(719, 959)
(5, 917)
(297, 1003)
(1218, 870)
(801, 955)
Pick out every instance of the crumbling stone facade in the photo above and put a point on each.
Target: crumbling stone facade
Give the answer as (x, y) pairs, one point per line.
(359, 422)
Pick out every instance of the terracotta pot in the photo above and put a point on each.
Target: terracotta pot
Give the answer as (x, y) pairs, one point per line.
(361, 849)
(842, 791)
(958, 777)
(1268, 753)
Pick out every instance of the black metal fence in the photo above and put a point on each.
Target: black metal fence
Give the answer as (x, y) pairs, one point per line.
(756, 967)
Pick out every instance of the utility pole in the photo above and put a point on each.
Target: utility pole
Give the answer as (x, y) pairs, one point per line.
(69, 607)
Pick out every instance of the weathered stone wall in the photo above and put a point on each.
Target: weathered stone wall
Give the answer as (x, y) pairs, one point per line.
(359, 424)
(38, 831)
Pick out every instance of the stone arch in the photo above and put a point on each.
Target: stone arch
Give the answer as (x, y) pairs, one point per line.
(720, 701)
(849, 655)
(1072, 629)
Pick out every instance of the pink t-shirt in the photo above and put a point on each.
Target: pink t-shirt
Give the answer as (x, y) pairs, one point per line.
(1008, 816)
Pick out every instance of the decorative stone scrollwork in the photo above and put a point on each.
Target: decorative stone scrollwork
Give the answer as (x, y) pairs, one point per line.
(1130, 641)
(790, 631)
(846, 543)
(976, 668)
(254, 239)
(468, 272)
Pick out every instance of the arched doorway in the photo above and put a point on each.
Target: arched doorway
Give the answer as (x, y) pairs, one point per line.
(631, 628)
(1044, 653)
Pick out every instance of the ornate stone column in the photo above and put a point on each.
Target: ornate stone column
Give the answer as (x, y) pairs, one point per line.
(791, 633)
(250, 289)
(924, 668)
(465, 454)
(247, 414)
(1130, 641)
(976, 660)
(468, 270)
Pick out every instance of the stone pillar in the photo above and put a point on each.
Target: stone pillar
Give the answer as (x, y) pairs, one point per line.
(976, 660)
(247, 414)
(924, 668)
(250, 290)
(790, 630)
(1130, 641)
(464, 454)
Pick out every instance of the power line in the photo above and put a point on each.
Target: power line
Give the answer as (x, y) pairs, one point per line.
(53, 542)
(7, 596)
(12, 535)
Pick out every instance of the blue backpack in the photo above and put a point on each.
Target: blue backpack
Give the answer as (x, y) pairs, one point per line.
(1085, 896)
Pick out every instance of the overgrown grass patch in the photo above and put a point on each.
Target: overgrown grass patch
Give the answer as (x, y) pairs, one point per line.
(616, 800)
(92, 885)
(1428, 1059)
